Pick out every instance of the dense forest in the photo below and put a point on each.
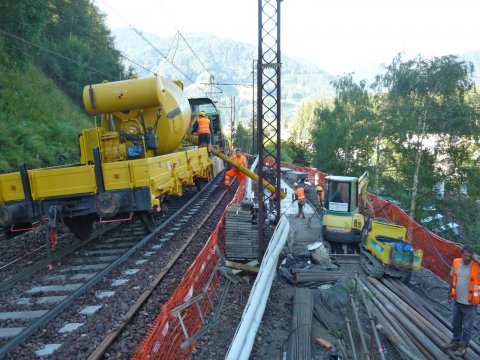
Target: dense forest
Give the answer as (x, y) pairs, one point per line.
(49, 50)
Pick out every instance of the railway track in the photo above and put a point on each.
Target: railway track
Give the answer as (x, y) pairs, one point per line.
(103, 277)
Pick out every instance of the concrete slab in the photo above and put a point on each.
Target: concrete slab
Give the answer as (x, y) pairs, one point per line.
(24, 301)
(163, 240)
(131, 271)
(105, 294)
(85, 267)
(6, 333)
(56, 278)
(108, 258)
(140, 262)
(119, 282)
(84, 276)
(70, 327)
(119, 245)
(117, 239)
(156, 247)
(90, 310)
(148, 253)
(55, 288)
(169, 235)
(50, 299)
(22, 315)
(47, 350)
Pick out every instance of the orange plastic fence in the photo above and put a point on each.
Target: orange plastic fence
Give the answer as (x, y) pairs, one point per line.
(438, 253)
(165, 335)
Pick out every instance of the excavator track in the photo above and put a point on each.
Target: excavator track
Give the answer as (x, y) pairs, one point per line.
(371, 265)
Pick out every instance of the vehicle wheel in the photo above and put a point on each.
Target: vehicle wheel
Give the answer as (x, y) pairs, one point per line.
(80, 226)
(371, 265)
(149, 221)
(406, 276)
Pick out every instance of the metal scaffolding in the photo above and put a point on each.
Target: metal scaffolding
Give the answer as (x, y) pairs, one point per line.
(268, 114)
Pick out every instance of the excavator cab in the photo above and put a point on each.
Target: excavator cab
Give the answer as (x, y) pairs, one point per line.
(343, 218)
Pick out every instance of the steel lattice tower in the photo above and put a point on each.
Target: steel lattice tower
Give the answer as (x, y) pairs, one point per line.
(268, 111)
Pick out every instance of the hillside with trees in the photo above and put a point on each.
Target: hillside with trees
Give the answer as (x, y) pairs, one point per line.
(49, 50)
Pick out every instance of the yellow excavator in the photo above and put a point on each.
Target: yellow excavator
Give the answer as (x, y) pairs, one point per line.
(344, 202)
(383, 246)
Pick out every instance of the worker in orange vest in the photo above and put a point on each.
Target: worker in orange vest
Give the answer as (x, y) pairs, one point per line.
(203, 128)
(464, 290)
(319, 190)
(300, 197)
(239, 159)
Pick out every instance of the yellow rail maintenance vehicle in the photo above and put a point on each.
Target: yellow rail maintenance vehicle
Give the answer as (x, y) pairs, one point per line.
(386, 252)
(129, 163)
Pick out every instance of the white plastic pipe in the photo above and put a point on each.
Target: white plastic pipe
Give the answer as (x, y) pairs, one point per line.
(248, 191)
(242, 343)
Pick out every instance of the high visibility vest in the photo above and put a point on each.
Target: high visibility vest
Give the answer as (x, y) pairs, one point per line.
(240, 160)
(300, 192)
(203, 125)
(474, 283)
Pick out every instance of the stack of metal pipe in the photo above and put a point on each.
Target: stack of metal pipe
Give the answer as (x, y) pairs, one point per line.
(409, 323)
(301, 326)
(317, 275)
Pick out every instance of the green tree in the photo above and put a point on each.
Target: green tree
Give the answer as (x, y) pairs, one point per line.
(242, 138)
(427, 99)
(343, 134)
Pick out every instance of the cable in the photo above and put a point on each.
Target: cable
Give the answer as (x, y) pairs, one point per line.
(54, 53)
(139, 33)
(194, 54)
(185, 40)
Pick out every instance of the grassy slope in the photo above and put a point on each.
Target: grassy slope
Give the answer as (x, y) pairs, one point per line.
(39, 125)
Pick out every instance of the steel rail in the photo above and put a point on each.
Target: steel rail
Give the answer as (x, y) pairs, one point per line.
(53, 313)
(42, 264)
(112, 336)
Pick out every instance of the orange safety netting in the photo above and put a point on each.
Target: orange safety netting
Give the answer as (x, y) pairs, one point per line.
(165, 335)
(438, 253)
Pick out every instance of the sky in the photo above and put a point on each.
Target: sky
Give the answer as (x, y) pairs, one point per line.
(336, 35)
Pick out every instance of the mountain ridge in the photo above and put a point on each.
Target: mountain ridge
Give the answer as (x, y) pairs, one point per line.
(231, 62)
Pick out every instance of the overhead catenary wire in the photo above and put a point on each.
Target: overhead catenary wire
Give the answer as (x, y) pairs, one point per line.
(144, 38)
(184, 39)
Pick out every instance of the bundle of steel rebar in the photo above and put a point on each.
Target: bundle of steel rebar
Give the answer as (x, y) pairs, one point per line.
(300, 331)
(410, 324)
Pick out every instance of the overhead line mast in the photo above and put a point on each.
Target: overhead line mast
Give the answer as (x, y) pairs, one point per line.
(268, 111)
